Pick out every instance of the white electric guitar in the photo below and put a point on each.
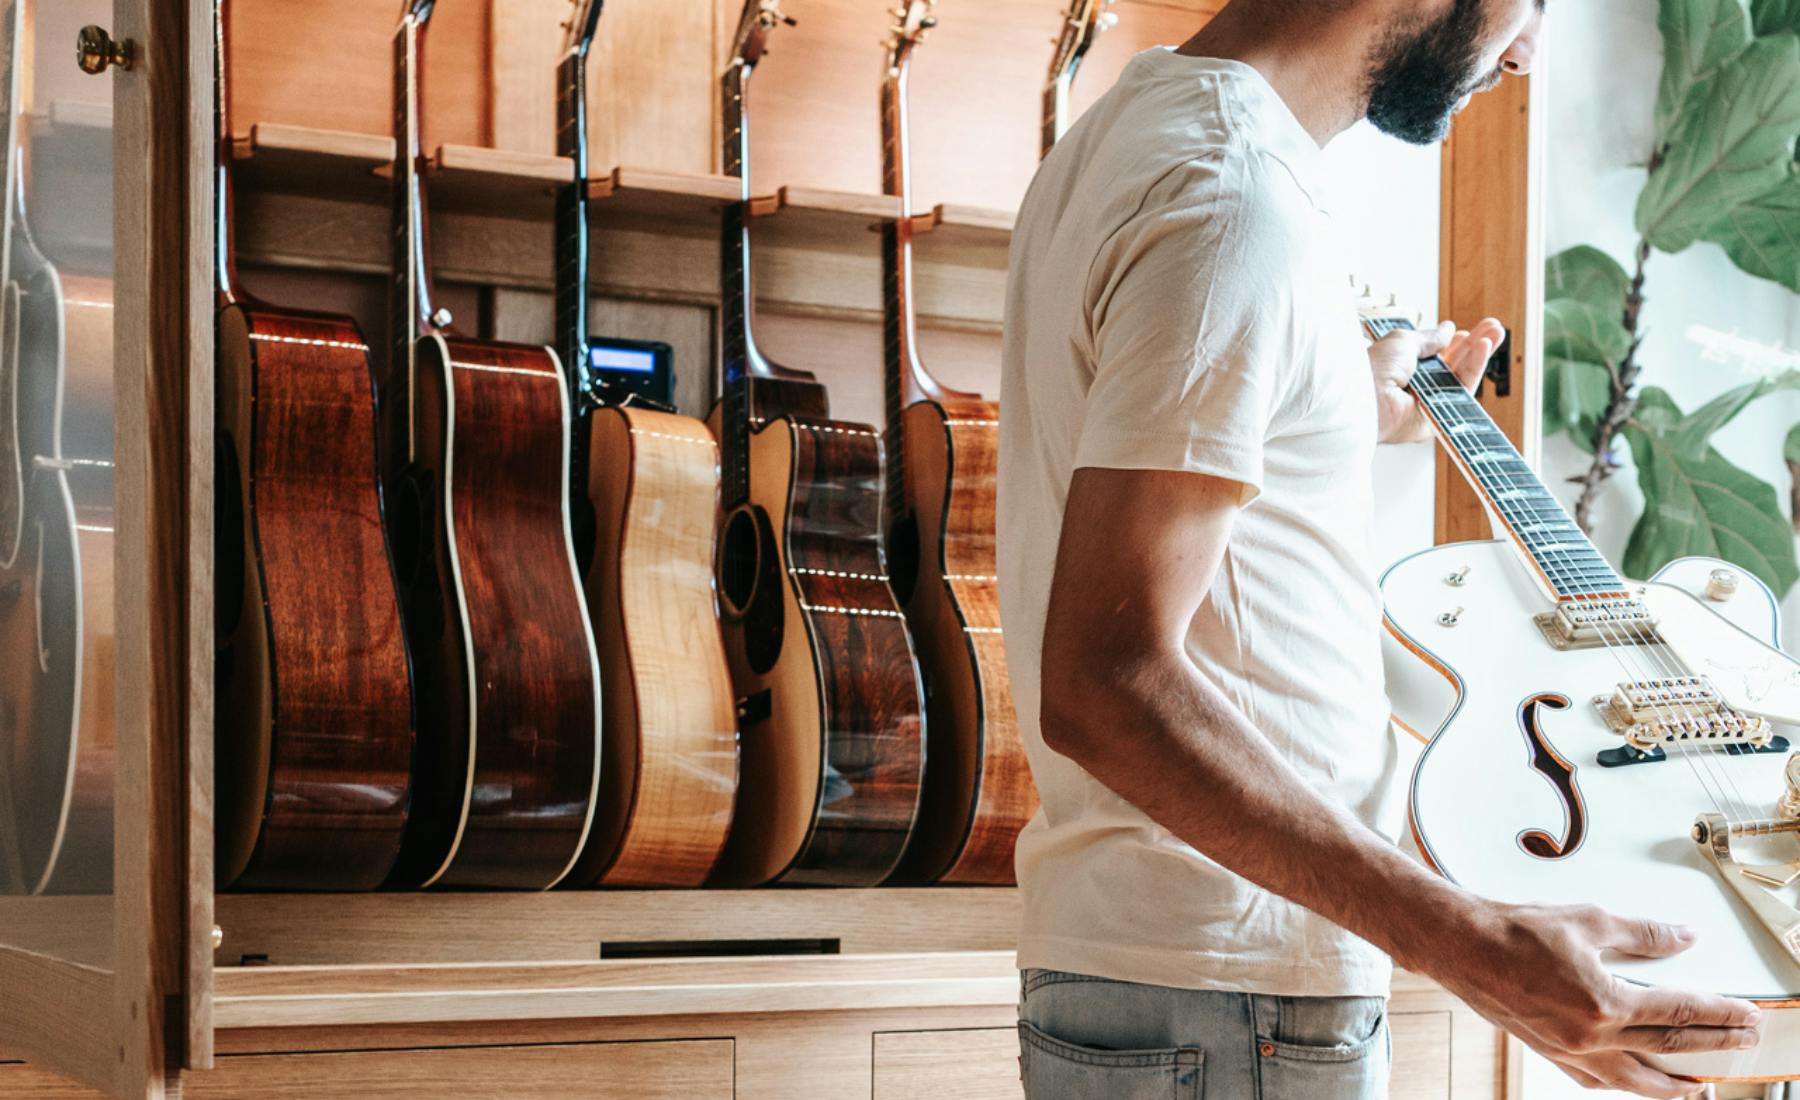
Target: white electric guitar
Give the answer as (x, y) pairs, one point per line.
(1596, 741)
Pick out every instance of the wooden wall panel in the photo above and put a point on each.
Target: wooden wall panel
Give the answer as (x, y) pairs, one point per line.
(329, 64)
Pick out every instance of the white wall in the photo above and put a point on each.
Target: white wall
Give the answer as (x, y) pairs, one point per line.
(1604, 60)
(1385, 204)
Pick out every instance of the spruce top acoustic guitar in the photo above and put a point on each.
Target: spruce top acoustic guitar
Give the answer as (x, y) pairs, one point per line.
(830, 706)
(56, 545)
(475, 456)
(1593, 740)
(648, 481)
(942, 463)
(315, 707)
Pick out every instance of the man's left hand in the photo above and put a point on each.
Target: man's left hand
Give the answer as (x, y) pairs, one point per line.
(1396, 356)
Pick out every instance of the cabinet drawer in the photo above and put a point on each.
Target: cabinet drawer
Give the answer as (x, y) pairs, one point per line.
(1421, 1056)
(977, 1064)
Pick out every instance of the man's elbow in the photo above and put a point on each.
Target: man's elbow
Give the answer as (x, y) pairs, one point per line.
(1078, 706)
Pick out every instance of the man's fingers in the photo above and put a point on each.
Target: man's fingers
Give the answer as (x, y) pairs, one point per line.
(1622, 1071)
(1433, 341)
(1655, 1006)
(1687, 1040)
(1644, 939)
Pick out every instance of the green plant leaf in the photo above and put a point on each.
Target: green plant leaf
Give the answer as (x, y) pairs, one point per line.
(1791, 449)
(1588, 275)
(1698, 35)
(1775, 16)
(1733, 142)
(1576, 330)
(1575, 397)
(1693, 433)
(1701, 504)
(1762, 236)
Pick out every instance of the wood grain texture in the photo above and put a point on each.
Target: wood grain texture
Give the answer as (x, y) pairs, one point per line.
(1492, 264)
(507, 681)
(972, 1064)
(978, 791)
(834, 753)
(700, 1069)
(49, 1014)
(315, 699)
(670, 773)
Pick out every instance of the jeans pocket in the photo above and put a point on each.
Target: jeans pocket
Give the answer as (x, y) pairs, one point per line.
(1056, 1070)
(1334, 1047)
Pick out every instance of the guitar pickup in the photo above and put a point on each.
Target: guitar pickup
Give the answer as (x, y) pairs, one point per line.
(755, 708)
(1590, 624)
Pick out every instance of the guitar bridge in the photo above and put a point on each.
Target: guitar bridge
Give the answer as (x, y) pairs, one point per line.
(1684, 710)
(1590, 624)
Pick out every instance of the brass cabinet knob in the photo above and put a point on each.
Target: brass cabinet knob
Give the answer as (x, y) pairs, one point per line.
(95, 50)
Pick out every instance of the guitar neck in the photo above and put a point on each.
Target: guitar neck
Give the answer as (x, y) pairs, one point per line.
(224, 258)
(572, 243)
(1056, 108)
(740, 357)
(410, 299)
(12, 26)
(906, 380)
(1554, 543)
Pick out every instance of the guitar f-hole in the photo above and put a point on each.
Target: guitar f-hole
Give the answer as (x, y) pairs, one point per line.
(1560, 774)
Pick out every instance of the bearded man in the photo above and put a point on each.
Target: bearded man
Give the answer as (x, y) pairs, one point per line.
(1212, 891)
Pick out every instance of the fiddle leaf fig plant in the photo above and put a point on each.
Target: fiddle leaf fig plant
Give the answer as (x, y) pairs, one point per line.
(1723, 168)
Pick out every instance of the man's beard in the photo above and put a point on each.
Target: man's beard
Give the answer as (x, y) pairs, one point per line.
(1420, 77)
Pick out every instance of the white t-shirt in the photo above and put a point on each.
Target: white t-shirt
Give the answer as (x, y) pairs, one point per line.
(1177, 302)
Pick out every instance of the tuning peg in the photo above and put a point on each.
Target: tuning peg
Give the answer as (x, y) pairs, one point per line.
(1108, 20)
(928, 23)
(1393, 300)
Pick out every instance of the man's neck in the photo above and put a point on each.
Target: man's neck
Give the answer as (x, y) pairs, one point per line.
(1316, 67)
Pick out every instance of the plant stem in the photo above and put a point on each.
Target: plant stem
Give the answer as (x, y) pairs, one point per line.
(1623, 401)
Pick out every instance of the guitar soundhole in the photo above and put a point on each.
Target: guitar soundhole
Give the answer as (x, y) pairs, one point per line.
(740, 552)
(228, 538)
(1560, 774)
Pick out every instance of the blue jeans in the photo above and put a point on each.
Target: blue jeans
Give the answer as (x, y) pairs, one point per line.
(1084, 1038)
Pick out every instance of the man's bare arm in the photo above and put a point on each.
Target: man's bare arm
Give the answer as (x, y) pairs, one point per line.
(1138, 555)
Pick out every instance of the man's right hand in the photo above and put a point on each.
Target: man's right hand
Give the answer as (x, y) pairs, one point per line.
(1537, 972)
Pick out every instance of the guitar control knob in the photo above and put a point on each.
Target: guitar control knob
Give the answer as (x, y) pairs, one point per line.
(1721, 585)
(218, 937)
(1789, 810)
(442, 318)
(96, 50)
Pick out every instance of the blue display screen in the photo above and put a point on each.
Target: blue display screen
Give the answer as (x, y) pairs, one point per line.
(625, 359)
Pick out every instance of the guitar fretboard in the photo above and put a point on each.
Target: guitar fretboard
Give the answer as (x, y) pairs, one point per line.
(1056, 108)
(738, 345)
(410, 297)
(904, 379)
(572, 241)
(1569, 562)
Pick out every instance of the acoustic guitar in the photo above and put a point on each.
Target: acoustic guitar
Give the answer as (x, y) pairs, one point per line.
(943, 451)
(475, 459)
(650, 482)
(1592, 740)
(829, 702)
(57, 650)
(314, 699)
(1082, 23)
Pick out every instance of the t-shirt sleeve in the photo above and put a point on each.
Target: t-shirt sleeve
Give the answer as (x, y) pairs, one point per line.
(1188, 304)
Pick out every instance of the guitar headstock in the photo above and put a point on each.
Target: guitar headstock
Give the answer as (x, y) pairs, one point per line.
(1085, 21)
(582, 25)
(1381, 314)
(913, 21)
(760, 18)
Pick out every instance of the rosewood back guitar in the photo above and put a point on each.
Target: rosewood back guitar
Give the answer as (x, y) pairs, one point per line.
(829, 698)
(651, 482)
(942, 461)
(1598, 741)
(56, 548)
(315, 708)
(475, 457)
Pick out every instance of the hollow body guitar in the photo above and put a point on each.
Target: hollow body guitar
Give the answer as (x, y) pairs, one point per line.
(1595, 741)
(57, 651)
(475, 458)
(831, 711)
(942, 450)
(315, 708)
(650, 481)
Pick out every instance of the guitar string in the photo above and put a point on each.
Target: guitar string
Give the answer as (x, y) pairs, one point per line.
(1559, 562)
(1454, 417)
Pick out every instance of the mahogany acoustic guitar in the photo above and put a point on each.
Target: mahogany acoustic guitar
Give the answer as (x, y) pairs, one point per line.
(942, 450)
(650, 482)
(56, 547)
(829, 699)
(314, 698)
(475, 460)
